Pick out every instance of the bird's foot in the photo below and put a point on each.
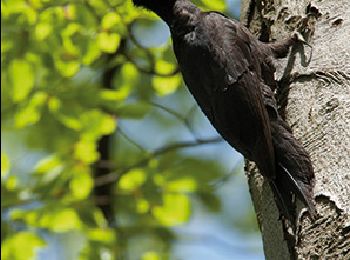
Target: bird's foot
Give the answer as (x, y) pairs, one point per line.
(299, 38)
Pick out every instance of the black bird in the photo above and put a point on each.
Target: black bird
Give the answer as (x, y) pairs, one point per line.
(231, 75)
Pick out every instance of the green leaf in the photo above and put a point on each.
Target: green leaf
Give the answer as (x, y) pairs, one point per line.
(150, 256)
(22, 78)
(92, 53)
(107, 95)
(56, 219)
(132, 180)
(95, 123)
(174, 211)
(181, 185)
(164, 67)
(67, 35)
(159, 179)
(99, 234)
(48, 165)
(11, 182)
(11, 7)
(81, 183)
(125, 81)
(218, 5)
(108, 42)
(54, 104)
(67, 68)
(5, 165)
(166, 85)
(110, 20)
(132, 111)
(62, 220)
(85, 150)
(26, 241)
(68, 114)
(30, 114)
(42, 31)
(142, 206)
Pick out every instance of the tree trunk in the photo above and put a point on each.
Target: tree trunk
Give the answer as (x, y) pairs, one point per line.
(317, 108)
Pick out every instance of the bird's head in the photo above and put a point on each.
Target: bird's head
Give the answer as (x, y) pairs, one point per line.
(153, 4)
(161, 7)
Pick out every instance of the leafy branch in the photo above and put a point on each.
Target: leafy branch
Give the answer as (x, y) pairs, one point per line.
(115, 175)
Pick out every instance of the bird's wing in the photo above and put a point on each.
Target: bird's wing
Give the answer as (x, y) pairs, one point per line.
(241, 116)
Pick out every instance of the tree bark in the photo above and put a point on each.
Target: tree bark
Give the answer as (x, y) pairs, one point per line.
(317, 107)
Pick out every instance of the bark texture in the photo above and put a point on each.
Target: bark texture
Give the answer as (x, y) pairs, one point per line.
(315, 100)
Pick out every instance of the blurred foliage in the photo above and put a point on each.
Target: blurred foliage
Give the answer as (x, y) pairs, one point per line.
(55, 57)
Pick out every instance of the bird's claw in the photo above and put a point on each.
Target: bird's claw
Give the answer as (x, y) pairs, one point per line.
(300, 38)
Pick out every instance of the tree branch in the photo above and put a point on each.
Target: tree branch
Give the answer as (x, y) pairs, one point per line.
(115, 175)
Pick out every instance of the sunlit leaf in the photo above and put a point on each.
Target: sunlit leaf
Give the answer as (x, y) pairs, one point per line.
(13, 7)
(85, 150)
(99, 6)
(96, 123)
(99, 218)
(218, 5)
(111, 95)
(110, 20)
(129, 72)
(164, 67)
(142, 206)
(166, 85)
(67, 35)
(11, 182)
(181, 185)
(93, 52)
(81, 183)
(174, 211)
(5, 165)
(125, 81)
(54, 104)
(132, 180)
(22, 78)
(69, 119)
(101, 234)
(67, 68)
(51, 163)
(31, 113)
(27, 242)
(62, 220)
(70, 11)
(108, 42)
(150, 256)
(159, 179)
(42, 31)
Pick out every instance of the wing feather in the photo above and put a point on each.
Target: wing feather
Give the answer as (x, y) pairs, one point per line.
(238, 96)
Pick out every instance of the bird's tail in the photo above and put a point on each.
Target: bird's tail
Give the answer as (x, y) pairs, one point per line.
(294, 171)
(284, 186)
(304, 191)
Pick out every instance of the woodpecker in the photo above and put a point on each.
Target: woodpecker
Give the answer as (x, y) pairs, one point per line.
(231, 76)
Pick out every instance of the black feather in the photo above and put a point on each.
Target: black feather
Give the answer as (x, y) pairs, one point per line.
(231, 76)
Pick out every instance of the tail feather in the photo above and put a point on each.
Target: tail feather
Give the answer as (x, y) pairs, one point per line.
(283, 200)
(294, 173)
(291, 185)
